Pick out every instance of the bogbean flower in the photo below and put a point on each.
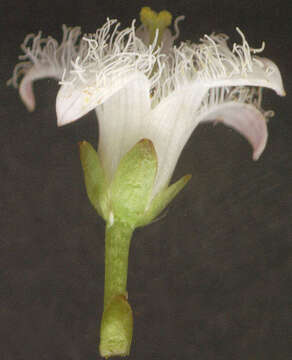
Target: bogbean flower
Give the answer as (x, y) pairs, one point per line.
(149, 96)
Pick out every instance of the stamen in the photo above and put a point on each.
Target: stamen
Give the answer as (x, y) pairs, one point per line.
(154, 21)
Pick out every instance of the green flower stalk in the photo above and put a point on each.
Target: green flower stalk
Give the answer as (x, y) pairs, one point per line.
(117, 319)
(149, 96)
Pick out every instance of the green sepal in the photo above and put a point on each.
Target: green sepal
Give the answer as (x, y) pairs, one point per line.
(162, 199)
(133, 182)
(94, 178)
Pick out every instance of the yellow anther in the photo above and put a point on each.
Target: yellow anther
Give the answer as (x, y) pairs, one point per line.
(153, 21)
(164, 19)
(147, 16)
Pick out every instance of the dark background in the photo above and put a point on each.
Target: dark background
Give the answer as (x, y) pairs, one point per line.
(212, 279)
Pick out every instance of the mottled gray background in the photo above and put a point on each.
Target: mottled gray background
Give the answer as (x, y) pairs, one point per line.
(209, 281)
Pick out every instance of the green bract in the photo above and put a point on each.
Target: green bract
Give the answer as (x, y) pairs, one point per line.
(116, 328)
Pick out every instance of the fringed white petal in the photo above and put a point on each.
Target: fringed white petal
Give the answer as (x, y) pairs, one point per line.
(121, 122)
(113, 60)
(169, 125)
(215, 64)
(45, 58)
(26, 85)
(244, 118)
(77, 99)
(274, 79)
(264, 74)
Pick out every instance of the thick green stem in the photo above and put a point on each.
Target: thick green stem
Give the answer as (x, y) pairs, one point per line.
(117, 320)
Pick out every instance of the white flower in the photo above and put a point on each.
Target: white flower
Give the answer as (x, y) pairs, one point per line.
(143, 91)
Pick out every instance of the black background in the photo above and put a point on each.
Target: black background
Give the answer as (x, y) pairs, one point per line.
(211, 279)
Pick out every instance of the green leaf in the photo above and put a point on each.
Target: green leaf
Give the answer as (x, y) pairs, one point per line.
(162, 199)
(133, 182)
(94, 177)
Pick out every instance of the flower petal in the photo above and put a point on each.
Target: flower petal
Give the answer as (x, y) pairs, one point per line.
(121, 120)
(45, 57)
(75, 100)
(265, 73)
(214, 63)
(244, 118)
(26, 84)
(169, 126)
(113, 60)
